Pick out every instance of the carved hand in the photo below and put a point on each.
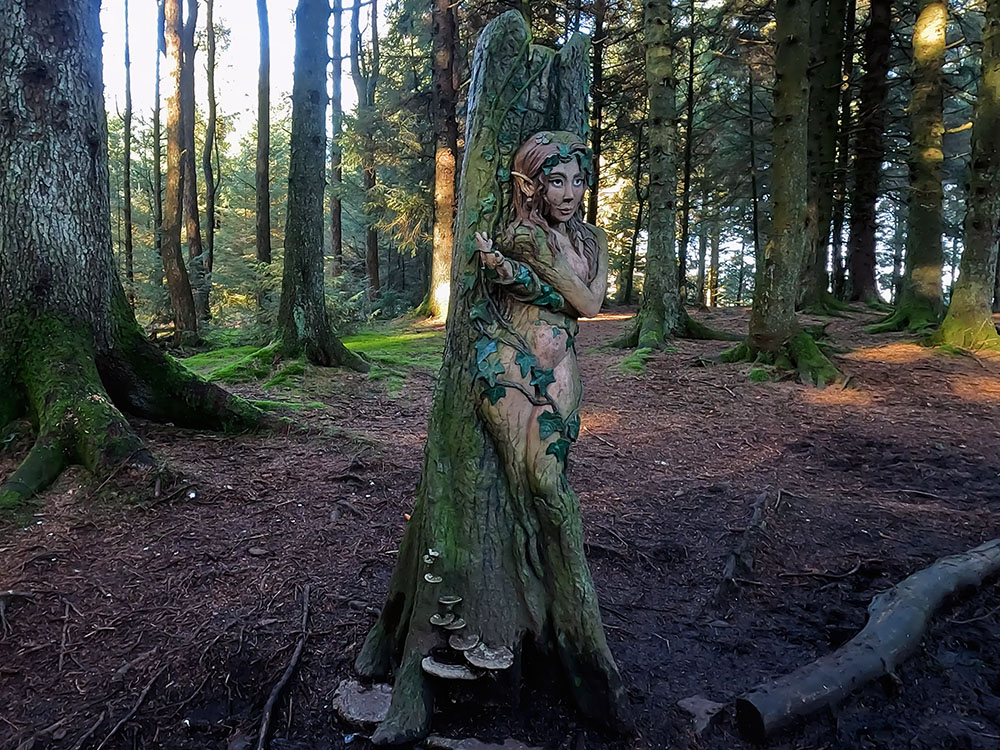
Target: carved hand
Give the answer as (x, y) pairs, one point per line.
(491, 258)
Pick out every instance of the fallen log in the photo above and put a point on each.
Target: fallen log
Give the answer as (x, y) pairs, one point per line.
(896, 623)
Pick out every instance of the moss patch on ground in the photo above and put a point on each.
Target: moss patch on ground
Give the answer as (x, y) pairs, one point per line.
(395, 351)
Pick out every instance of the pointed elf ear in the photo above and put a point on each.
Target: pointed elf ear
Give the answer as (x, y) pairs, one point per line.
(525, 183)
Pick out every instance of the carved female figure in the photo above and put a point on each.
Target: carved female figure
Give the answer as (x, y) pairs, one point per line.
(554, 270)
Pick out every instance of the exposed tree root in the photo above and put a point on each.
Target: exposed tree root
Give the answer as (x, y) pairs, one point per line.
(740, 562)
(799, 354)
(897, 620)
(649, 330)
(827, 306)
(909, 317)
(73, 394)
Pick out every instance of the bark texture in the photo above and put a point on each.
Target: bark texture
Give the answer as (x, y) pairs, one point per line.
(263, 168)
(127, 171)
(178, 282)
(209, 146)
(827, 31)
(772, 320)
(869, 153)
(921, 302)
(200, 281)
(336, 149)
(73, 355)
(157, 272)
(515, 559)
(775, 337)
(305, 326)
(366, 73)
(661, 313)
(969, 322)
(446, 155)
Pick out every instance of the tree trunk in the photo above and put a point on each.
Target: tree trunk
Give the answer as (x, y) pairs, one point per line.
(302, 316)
(200, 282)
(682, 246)
(754, 188)
(71, 351)
(921, 302)
(827, 31)
(446, 155)
(597, 103)
(869, 154)
(661, 313)
(507, 558)
(127, 173)
(157, 272)
(843, 157)
(206, 154)
(625, 295)
(178, 283)
(969, 322)
(365, 74)
(699, 299)
(774, 332)
(336, 149)
(713, 268)
(263, 168)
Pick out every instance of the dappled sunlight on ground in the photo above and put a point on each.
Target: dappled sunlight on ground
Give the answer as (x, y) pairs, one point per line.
(837, 396)
(981, 389)
(897, 352)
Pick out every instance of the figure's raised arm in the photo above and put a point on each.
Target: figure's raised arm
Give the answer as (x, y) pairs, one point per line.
(586, 297)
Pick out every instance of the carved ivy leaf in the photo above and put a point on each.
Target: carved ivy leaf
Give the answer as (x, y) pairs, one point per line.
(471, 247)
(548, 423)
(484, 348)
(495, 393)
(569, 342)
(542, 378)
(473, 218)
(559, 449)
(489, 369)
(549, 297)
(488, 203)
(468, 281)
(488, 154)
(503, 174)
(525, 361)
(563, 151)
(479, 311)
(523, 276)
(573, 427)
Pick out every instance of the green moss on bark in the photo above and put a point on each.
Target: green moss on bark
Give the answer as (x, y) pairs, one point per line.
(911, 314)
(799, 353)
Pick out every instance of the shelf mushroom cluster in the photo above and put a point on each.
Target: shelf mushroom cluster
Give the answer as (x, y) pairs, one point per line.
(476, 654)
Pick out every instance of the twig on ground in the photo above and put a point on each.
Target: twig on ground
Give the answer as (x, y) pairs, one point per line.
(62, 642)
(89, 733)
(608, 443)
(975, 619)
(272, 699)
(134, 709)
(823, 574)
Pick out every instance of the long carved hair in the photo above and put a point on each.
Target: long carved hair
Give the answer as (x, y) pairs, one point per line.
(532, 163)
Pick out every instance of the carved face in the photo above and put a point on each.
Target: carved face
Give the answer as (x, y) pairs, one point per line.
(564, 187)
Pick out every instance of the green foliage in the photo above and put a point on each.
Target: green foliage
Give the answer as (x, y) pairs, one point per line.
(395, 352)
(759, 375)
(634, 363)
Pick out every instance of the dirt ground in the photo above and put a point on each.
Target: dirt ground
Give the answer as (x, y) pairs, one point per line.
(165, 621)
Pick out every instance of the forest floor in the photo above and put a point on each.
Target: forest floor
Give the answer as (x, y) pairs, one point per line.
(180, 612)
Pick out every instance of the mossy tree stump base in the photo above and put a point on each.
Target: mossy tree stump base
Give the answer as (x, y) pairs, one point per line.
(493, 552)
(799, 354)
(648, 330)
(76, 397)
